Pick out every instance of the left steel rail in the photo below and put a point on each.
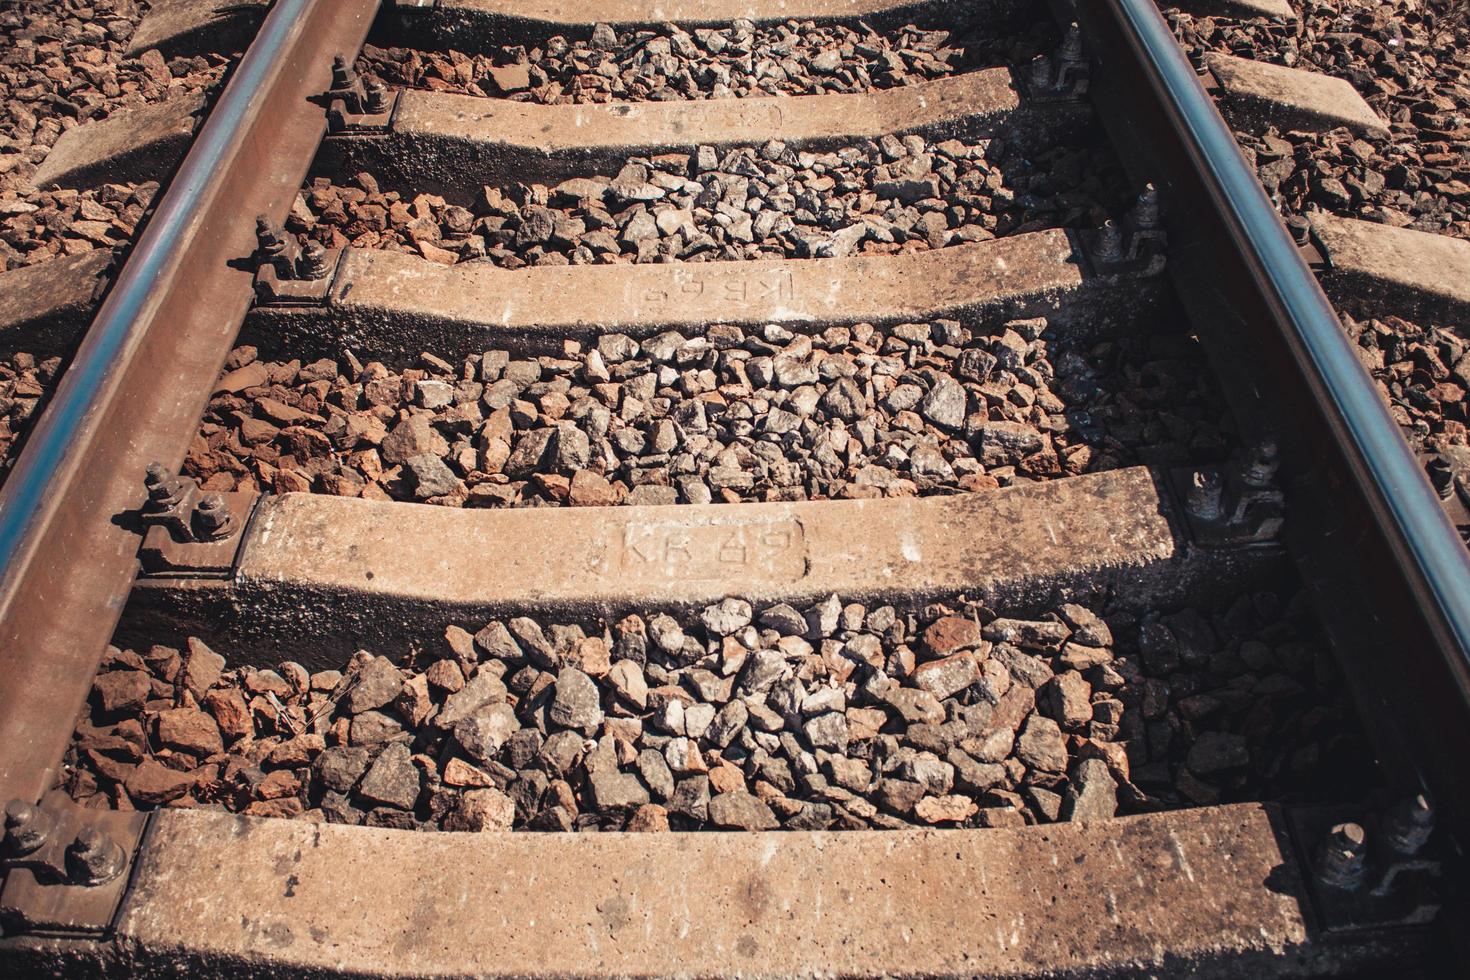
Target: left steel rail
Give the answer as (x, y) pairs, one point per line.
(140, 380)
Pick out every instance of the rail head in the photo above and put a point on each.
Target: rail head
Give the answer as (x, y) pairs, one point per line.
(141, 377)
(1390, 574)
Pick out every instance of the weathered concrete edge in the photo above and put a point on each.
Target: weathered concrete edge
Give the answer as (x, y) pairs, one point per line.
(137, 144)
(1255, 94)
(389, 305)
(452, 144)
(45, 308)
(190, 27)
(1279, 10)
(1208, 893)
(320, 576)
(1378, 269)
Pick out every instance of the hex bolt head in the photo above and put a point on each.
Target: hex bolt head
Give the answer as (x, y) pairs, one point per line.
(94, 858)
(1109, 242)
(1343, 858)
(1409, 824)
(26, 827)
(1146, 209)
(164, 489)
(377, 97)
(1300, 228)
(1071, 49)
(342, 73)
(1442, 475)
(314, 264)
(268, 235)
(1260, 468)
(212, 518)
(1205, 492)
(1041, 79)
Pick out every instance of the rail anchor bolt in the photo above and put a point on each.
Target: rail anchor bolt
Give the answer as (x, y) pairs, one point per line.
(27, 828)
(314, 265)
(275, 248)
(1342, 860)
(94, 858)
(212, 518)
(346, 84)
(1205, 493)
(1109, 243)
(1146, 211)
(164, 490)
(1408, 825)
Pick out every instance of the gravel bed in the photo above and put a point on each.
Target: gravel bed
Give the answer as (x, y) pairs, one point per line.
(1409, 61)
(735, 415)
(62, 64)
(45, 225)
(25, 384)
(795, 58)
(1424, 374)
(893, 195)
(839, 716)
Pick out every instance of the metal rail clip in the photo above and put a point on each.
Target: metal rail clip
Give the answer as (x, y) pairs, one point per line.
(355, 105)
(1063, 76)
(190, 533)
(1370, 870)
(287, 274)
(66, 867)
(1137, 248)
(1236, 504)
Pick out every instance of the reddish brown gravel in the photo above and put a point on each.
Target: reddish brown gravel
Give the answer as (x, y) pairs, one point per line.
(736, 415)
(62, 64)
(44, 225)
(1410, 61)
(668, 63)
(883, 197)
(839, 716)
(25, 384)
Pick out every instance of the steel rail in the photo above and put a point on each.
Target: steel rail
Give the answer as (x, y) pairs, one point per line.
(140, 379)
(1388, 571)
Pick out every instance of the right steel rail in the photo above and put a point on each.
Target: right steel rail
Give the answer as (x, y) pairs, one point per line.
(1389, 575)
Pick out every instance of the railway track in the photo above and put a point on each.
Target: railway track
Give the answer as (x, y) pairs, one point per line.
(856, 487)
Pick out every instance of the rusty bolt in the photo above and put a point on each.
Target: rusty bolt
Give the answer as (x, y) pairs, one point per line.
(1109, 243)
(26, 827)
(1041, 73)
(212, 518)
(314, 264)
(1409, 824)
(1071, 49)
(1441, 475)
(1343, 857)
(1300, 228)
(270, 237)
(164, 490)
(376, 102)
(94, 858)
(342, 74)
(1146, 210)
(1260, 469)
(266, 234)
(1205, 489)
